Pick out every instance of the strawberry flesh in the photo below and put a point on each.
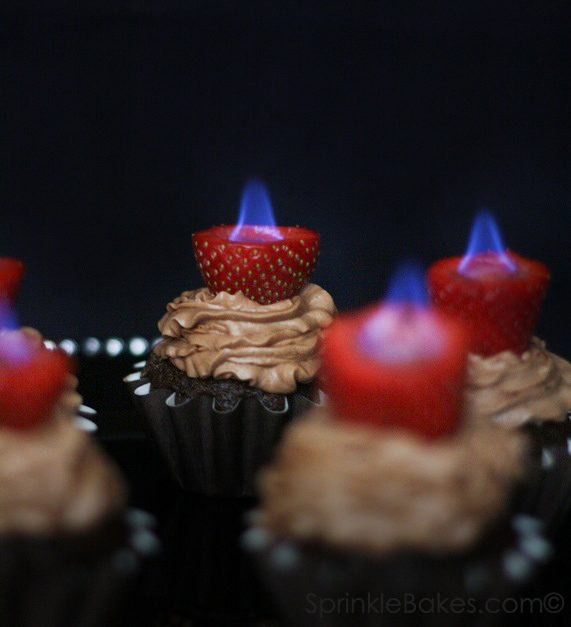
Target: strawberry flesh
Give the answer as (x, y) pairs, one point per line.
(263, 268)
(422, 395)
(11, 271)
(499, 307)
(31, 385)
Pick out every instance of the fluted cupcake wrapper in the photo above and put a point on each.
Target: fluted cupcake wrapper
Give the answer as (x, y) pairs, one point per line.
(311, 585)
(304, 579)
(210, 451)
(551, 500)
(74, 580)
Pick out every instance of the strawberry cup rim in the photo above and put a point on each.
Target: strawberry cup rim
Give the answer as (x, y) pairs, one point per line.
(348, 374)
(11, 262)
(448, 267)
(344, 331)
(289, 233)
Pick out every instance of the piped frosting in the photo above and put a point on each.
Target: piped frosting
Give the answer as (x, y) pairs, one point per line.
(272, 347)
(514, 389)
(375, 490)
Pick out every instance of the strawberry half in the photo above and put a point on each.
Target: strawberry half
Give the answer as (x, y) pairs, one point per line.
(263, 268)
(11, 271)
(500, 307)
(30, 384)
(422, 394)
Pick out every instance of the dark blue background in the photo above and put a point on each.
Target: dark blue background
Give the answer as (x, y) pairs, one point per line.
(126, 126)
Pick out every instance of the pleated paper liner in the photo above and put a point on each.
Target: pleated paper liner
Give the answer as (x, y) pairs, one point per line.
(314, 586)
(74, 580)
(210, 451)
(548, 496)
(305, 581)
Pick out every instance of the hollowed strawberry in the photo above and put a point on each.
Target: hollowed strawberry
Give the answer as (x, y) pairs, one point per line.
(31, 381)
(263, 268)
(499, 307)
(11, 271)
(422, 394)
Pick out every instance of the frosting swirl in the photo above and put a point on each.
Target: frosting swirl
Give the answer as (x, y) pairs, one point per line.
(54, 478)
(376, 491)
(514, 389)
(230, 336)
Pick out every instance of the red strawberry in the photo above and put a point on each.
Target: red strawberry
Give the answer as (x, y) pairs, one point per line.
(501, 308)
(266, 270)
(422, 394)
(11, 271)
(30, 384)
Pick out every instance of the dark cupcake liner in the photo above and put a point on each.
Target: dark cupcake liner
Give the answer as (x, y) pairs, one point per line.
(502, 566)
(79, 580)
(310, 585)
(206, 450)
(550, 433)
(550, 501)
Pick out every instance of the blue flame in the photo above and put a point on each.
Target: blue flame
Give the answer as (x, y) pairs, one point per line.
(402, 328)
(14, 346)
(256, 209)
(8, 319)
(407, 286)
(485, 237)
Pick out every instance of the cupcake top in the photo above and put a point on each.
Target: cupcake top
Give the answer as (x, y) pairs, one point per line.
(53, 477)
(377, 490)
(272, 347)
(514, 389)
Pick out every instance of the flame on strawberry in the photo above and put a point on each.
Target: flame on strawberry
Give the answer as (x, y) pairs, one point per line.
(499, 308)
(422, 394)
(11, 272)
(30, 384)
(263, 268)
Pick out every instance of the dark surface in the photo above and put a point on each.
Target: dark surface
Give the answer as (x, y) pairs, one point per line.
(203, 576)
(125, 126)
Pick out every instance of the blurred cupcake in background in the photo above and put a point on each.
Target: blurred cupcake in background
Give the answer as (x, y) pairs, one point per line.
(70, 550)
(512, 379)
(387, 491)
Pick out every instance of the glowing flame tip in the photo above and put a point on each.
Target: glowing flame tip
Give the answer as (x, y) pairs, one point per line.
(407, 286)
(485, 238)
(256, 210)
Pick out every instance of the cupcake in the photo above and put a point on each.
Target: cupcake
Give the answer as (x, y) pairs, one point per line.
(238, 358)
(69, 550)
(372, 504)
(512, 378)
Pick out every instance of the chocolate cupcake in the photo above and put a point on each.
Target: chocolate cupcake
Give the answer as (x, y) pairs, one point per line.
(228, 375)
(350, 517)
(69, 548)
(238, 358)
(389, 494)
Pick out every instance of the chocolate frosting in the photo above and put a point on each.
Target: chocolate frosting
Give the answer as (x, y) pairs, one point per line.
(54, 478)
(224, 336)
(375, 490)
(514, 389)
